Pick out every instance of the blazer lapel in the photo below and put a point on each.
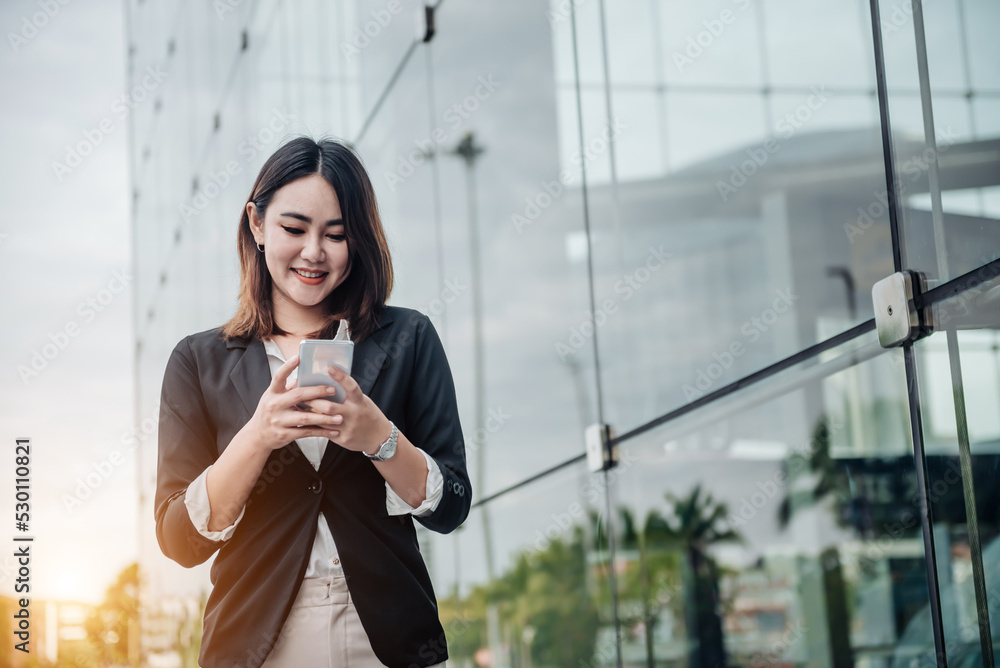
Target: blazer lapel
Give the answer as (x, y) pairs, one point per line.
(251, 376)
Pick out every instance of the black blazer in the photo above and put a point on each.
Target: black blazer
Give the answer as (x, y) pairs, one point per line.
(210, 390)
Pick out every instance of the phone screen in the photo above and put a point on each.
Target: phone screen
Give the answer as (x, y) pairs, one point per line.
(318, 355)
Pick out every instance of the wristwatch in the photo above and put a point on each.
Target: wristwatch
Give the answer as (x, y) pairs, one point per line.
(387, 449)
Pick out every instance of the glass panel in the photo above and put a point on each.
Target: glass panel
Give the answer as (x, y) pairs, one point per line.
(949, 183)
(726, 217)
(377, 35)
(778, 526)
(973, 365)
(549, 601)
(502, 228)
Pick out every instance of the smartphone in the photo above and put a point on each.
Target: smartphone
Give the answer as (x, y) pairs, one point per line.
(318, 355)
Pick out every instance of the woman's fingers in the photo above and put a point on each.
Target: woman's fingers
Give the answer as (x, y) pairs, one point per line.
(311, 419)
(311, 392)
(294, 414)
(345, 379)
(280, 380)
(311, 432)
(308, 431)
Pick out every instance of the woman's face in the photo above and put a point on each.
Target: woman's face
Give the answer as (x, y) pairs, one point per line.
(302, 233)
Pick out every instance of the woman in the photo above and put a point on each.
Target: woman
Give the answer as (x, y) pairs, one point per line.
(309, 502)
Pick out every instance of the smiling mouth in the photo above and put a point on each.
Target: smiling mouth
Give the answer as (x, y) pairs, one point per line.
(311, 278)
(310, 274)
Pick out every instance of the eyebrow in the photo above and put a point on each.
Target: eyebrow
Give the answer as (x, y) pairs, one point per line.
(307, 219)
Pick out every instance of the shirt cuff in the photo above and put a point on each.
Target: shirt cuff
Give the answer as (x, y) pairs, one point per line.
(395, 505)
(199, 509)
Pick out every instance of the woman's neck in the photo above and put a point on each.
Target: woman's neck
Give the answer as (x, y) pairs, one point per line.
(300, 327)
(300, 331)
(296, 320)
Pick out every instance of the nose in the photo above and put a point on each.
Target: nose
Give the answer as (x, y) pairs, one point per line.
(312, 251)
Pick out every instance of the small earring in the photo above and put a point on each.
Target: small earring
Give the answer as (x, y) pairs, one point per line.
(260, 248)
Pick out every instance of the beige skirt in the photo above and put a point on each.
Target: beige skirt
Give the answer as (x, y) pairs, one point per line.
(323, 630)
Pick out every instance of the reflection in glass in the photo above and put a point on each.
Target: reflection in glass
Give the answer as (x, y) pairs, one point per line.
(944, 86)
(786, 524)
(551, 590)
(733, 187)
(964, 503)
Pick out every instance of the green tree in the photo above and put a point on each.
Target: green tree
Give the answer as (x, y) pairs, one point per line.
(654, 580)
(545, 592)
(693, 524)
(114, 623)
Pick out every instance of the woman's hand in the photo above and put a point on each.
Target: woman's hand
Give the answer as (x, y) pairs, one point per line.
(277, 421)
(361, 425)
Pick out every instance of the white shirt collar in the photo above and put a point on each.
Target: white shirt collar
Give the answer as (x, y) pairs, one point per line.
(343, 334)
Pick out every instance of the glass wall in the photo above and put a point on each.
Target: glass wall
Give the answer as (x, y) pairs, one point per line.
(660, 215)
(943, 76)
(785, 519)
(959, 373)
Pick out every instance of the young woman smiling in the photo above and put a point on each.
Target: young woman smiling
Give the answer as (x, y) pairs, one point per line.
(310, 503)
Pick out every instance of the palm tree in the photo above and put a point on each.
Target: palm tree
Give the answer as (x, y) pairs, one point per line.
(657, 570)
(693, 524)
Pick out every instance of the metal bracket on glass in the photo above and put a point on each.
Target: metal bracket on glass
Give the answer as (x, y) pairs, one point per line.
(425, 23)
(601, 454)
(897, 319)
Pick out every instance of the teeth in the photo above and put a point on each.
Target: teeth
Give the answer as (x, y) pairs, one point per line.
(309, 274)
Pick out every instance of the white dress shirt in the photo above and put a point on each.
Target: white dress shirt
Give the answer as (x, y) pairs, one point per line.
(324, 559)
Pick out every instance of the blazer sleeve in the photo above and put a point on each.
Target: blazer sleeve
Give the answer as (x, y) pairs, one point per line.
(433, 426)
(186, 447)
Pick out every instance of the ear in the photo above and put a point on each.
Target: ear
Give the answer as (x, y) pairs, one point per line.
(256, 224)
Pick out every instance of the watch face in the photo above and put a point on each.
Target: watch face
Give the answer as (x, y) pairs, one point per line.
(388, 450)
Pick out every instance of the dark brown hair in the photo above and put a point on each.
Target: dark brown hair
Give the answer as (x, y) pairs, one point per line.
(365, 290)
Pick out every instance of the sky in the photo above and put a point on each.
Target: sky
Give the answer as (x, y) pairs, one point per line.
(64, 255)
